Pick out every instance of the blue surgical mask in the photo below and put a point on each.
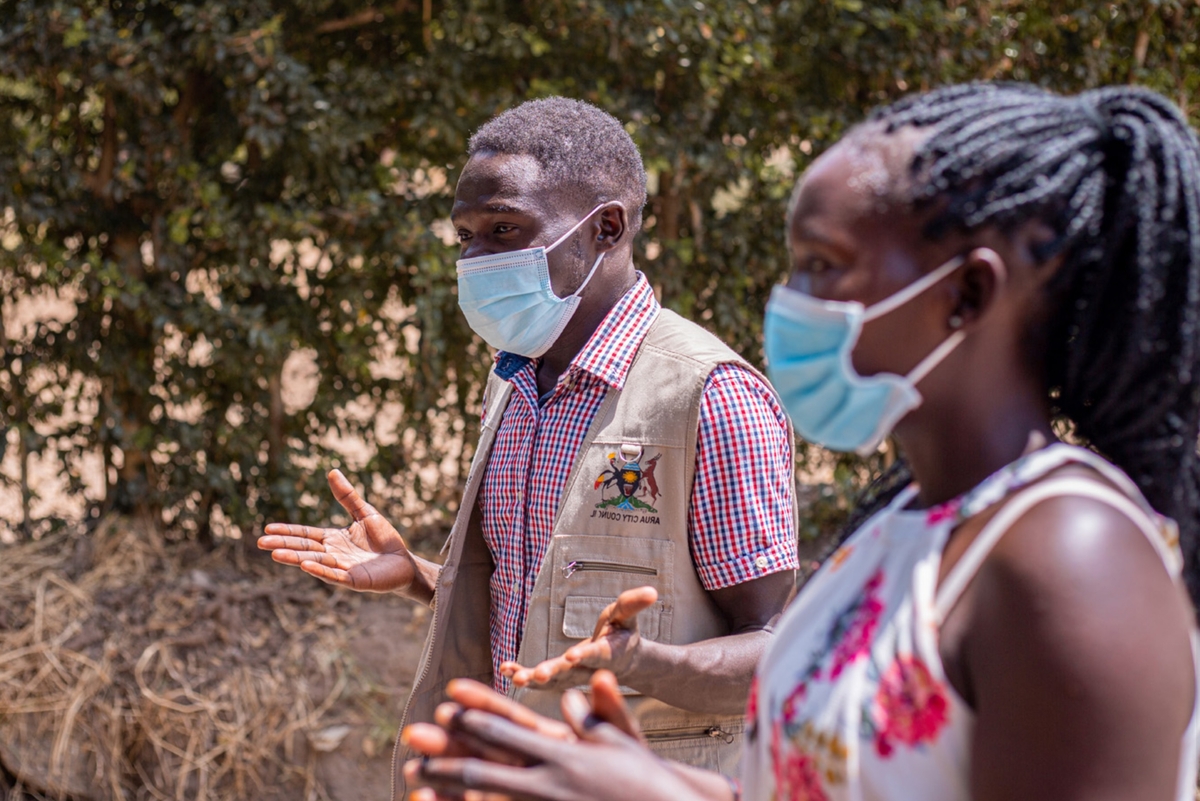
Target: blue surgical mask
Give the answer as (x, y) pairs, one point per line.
(808, 343)
(508, 300)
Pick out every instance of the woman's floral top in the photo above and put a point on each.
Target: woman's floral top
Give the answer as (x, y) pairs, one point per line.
(851, 701)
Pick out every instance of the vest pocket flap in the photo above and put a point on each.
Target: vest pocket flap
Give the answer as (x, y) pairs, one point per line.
(579, 617)
(580, 613)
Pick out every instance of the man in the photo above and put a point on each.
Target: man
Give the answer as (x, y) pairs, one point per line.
(622, 446)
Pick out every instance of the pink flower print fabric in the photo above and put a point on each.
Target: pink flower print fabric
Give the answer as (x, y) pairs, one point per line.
(852, 702)
(910, 707)
(944, 512)
(797, 774)
(859, 624)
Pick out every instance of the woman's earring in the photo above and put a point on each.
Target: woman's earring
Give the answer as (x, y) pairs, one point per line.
(955, 322)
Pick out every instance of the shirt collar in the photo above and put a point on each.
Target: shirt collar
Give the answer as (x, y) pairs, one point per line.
(609, 352)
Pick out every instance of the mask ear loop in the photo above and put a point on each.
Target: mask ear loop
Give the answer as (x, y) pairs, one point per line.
(912, 290)
(931, 361)
(591, 272)
(575, 227)
(599, 258)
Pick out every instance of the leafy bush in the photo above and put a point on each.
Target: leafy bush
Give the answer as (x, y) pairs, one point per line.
(217, 192)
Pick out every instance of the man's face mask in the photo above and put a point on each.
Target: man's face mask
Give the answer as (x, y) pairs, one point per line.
(508, 300)
(809, 344)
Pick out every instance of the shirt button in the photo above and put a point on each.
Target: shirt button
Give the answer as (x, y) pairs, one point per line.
(761, 562)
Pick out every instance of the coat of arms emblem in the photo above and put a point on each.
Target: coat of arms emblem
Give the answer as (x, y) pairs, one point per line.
(632, 479)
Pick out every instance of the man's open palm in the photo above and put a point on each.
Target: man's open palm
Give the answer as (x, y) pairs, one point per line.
(369, 556)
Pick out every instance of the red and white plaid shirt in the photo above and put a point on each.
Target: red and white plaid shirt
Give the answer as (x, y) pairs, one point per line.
(740, 513)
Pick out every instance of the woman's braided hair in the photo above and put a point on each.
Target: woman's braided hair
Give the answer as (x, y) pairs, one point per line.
(1115, 172)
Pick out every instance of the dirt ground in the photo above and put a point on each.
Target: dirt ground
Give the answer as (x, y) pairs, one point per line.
(135, 669)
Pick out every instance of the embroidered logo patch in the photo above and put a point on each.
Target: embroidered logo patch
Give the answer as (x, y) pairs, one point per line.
(629, 479)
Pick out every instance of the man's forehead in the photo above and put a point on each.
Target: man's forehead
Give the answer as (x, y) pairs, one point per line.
(501, 182)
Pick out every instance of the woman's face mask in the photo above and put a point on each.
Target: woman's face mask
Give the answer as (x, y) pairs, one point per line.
(508, 300)
(809, 344)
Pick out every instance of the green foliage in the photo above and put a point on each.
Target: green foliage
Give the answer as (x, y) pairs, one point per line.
(214, 186)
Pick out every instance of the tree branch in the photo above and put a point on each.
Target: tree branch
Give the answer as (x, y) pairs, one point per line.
(365, 17)
(100, 182)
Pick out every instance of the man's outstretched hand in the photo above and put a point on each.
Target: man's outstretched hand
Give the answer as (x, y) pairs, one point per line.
(611, 647)
(369, 556)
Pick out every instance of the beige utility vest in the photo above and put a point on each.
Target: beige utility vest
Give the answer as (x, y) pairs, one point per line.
(622, 522)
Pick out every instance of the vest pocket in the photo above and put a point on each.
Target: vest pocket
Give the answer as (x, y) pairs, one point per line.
(581, 611)
(711, 747)
(589, 572)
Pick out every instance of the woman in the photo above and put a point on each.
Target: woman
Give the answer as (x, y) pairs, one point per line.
(1008, 621)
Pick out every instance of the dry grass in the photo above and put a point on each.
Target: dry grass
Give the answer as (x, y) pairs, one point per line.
(147, 672)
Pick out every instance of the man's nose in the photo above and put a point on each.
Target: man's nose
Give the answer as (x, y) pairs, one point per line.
(482, 247)
(476, 248)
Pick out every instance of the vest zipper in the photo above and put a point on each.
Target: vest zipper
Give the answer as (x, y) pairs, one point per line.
(573, 567)
(689, 734)
(416, 684)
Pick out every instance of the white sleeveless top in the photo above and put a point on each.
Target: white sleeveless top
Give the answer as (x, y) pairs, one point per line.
(851, 700)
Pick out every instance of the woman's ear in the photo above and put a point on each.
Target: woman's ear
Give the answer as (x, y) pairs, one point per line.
(612, 222)
(982, 277)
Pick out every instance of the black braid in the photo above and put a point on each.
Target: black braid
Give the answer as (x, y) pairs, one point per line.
(876, 495)
(1116, 173)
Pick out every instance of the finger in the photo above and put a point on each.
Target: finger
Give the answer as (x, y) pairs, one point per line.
(428, 739)
(542, 672)
(424, 794)
(276, 530)
(577, 712)
(590, 728)
(437, 741)
(331, 575)
(460, 775)
(609, 705)
(591, 654)
(500, 732)
(345, 494)
(625, 608)
(412, 777)
(288, 557)
(463, 743)
(288, 542)
(428, 794)
(473, 695)
(509, 668)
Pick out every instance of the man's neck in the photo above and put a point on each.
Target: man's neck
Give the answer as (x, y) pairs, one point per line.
(575, 336)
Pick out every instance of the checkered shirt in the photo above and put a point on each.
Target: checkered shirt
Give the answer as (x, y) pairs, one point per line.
(740, 512)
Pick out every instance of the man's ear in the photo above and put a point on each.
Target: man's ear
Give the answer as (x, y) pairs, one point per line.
(611, 225)
(977, 285)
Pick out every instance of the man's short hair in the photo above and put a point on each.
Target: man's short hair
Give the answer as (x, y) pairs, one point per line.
(579, 147)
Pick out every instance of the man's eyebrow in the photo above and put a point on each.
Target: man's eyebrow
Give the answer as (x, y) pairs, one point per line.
(502, 208)
(494, 208)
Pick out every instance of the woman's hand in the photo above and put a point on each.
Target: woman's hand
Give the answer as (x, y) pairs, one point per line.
(497, 749)
(607, 705)
(612, 646)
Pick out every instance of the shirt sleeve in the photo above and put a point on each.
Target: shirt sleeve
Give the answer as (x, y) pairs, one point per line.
(740, 522)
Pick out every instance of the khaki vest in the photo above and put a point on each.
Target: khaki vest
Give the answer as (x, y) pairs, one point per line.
(622, 523)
